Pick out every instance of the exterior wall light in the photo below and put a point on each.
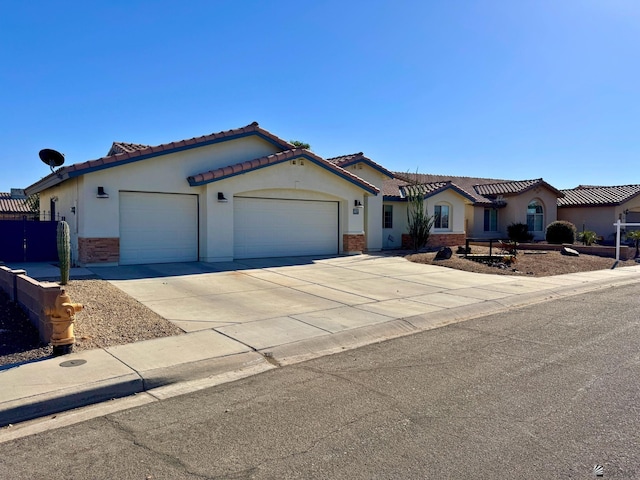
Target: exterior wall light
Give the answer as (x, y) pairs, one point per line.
(221, 198)
(102, 193)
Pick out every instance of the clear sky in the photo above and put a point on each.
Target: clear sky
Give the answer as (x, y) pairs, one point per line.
(489, 88)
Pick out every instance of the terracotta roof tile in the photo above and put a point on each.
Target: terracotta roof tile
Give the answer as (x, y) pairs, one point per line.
(513, 187)
(353, 158)
(247, 166)
(482, 191)
(12, 205)
(131, 154)
(123, 147)
(593, 196)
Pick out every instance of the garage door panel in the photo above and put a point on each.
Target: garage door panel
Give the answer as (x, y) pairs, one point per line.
(265, 227)
(158, 228)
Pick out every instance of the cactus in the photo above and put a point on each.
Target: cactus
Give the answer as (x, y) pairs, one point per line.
(64, 251)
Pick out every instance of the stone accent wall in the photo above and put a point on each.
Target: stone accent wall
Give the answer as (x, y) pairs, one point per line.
(437, 240)
(353, 242)
(98, 250)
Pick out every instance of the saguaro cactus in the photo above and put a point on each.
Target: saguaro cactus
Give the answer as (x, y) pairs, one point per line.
(64, 251)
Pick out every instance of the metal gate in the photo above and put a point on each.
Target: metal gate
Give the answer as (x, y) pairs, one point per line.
(28, 241)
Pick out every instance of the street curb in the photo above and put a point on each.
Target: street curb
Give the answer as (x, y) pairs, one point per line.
(66, 399)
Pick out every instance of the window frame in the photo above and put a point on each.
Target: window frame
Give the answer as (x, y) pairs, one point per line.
(490, 220)
(438, 217)
(387, 216)
(535, 218)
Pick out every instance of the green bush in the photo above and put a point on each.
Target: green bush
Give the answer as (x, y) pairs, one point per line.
(519, 232)
(561, 232)
(588, 237)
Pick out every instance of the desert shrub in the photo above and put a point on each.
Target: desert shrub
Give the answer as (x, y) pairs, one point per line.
(588, 237)
(519, 232)
(560, 232)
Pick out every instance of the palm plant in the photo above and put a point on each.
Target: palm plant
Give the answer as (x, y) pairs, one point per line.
(588, 237)
(635, 236)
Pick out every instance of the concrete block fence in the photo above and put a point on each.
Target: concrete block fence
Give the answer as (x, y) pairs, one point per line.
(32, 296)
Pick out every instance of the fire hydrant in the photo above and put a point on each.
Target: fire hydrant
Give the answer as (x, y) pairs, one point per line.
(62, 318)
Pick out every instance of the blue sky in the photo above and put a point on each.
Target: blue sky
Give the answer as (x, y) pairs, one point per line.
(500, 89)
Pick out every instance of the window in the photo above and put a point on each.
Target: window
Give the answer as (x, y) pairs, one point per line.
(490, 220)
(387, 216)
(535, 217)
(441, 214)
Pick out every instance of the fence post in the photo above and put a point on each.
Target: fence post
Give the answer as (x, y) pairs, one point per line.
(617, 224)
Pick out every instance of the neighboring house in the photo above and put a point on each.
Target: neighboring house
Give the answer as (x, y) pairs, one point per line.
(241, 193)
(13, 205)
(469, 207)
(597, 208)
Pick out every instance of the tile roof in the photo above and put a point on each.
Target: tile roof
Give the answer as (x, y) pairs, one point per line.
(248, 166)
(114, 160)
(513, 187)
(464, 184)
(123, 147)
(593, 196)
(354, 158)
(481, 191)
(12, 205)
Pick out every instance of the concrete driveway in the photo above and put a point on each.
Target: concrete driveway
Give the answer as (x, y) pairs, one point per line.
(267, 302)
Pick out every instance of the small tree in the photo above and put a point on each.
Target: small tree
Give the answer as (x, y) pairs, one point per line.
(635, 236)
(418, 219)
(299, 144)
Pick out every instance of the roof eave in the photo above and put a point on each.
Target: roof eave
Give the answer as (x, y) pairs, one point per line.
(321, 163)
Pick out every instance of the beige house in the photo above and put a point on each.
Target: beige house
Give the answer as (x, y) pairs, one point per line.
(241, 193)
(597, 208)
(480, 208)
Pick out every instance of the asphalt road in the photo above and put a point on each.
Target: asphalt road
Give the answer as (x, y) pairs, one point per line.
(544, 392)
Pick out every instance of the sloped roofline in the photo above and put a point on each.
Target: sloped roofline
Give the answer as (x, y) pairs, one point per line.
(78, 169)
(437, 187)
(359, 157)
(514, 187)
(598, 196)
(274, 159)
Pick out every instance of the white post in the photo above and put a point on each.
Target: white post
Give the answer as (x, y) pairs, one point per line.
(617, 224)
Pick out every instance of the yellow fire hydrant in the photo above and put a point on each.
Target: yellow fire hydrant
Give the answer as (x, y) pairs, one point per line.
(62, 318)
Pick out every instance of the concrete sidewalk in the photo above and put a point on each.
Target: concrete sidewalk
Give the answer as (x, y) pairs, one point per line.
(251, 316)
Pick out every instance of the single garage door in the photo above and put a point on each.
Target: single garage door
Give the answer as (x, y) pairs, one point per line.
(158, 228)
(267, 227)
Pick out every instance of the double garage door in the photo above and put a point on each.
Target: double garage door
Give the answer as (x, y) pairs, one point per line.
(268, 227)
(158, 228)
(163, 228)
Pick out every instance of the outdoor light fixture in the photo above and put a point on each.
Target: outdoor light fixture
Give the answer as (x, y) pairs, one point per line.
(102, 193)
(358, 204)
(221, 198)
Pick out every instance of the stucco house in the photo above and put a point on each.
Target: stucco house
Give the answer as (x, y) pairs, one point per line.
(480, 208)
(597, 208)
(242, 193)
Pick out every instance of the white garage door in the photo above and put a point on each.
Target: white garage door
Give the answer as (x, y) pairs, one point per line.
(158, 228)
(267, 227)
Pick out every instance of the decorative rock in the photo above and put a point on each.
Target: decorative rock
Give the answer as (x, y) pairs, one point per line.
(444, 253)
(463, 250)
(570, 252)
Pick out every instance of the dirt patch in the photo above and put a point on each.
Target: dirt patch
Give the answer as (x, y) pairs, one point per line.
(535, 263)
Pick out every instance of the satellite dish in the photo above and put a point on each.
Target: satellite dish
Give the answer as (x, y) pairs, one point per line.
(51, 157)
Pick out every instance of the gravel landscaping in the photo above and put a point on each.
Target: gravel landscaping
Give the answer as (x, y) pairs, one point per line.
(110, 317)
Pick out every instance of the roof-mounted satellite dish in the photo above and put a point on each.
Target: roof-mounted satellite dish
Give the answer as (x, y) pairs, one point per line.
(51, 157)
